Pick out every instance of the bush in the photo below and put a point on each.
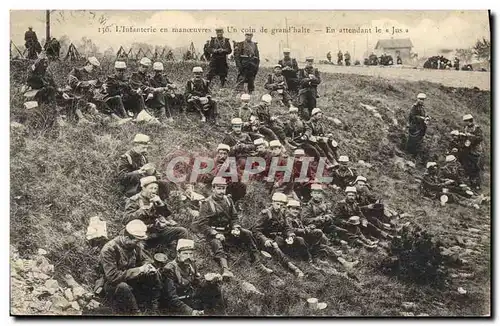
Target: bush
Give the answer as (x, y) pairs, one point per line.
(416, 257)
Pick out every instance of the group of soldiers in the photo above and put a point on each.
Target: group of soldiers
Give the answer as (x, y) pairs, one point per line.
(149, 89)
(341, 58)
(459, 179)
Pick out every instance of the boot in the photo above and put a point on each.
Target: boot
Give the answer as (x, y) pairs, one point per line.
(295, 270)
(263, 269)
(226, 273)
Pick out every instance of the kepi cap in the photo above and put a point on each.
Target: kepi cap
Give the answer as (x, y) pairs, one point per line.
(245, 97)
(450, 158)
(266, 98)
(258, 141)
(148, 180)
(350, 190)
(158, 66)
(274, 143)
(280, 197)
(137, 229)
(93, 61)
(223, 147)
(219, 181)
(467, 117)
(315, 111)
(354, 220)
(286, 50)
(145, 62)
(430, 164)
(236, 121)
(141, 139)
(316, 186)
(293, 203)
(197, 69)
(120, 65)
(299, 151)
(360, 178)
(344, 158)
(185, 244)
(293, 109)
(421, 96)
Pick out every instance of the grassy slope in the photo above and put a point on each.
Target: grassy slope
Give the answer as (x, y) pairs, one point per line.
(61, 177)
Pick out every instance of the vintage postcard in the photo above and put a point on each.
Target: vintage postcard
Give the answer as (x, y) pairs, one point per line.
(250, 163)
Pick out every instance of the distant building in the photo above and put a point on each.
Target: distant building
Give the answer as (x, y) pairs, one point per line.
(395, 47)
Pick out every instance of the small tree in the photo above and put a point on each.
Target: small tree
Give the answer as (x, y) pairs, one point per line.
(482, 49)
(465, 55)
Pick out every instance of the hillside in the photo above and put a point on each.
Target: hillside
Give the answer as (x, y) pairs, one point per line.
(61, 176)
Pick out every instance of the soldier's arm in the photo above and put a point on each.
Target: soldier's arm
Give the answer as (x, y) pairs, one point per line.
(431, 185)
(74, 82)
(136, 82)
(318, 76)
(112, 86)
(126, 170)
(304, 80)
(235, 220)
(227, 47)
(111, 272)
(295, 65)
(172, 299)
(259, 228)
(133, 211)
(189, 89)
(202, 223)
(477, 136)
(269, 85)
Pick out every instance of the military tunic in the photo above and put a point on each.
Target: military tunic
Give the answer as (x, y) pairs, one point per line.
(218, 59)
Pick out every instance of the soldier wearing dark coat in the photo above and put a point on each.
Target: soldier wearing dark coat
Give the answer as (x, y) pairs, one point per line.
(117, 90)
(199, 97)
(83, 83)
(219, 48)
(277, 86)
(139, 84)
(290, 69)
(418, 125)
(162, 97)
(340, 58)
(219, 223)
(185, 291)
(31, 43)
(52, 48)
(274, 231)
(309, 79)
(247, 58)
(130, 279)
(40, 79)
(472, 151)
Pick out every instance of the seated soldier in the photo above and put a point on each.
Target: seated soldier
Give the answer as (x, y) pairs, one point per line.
(295, 129)
(343, 175)
(277, 86)
(218, 222)
(184, 290)
(263, 114)
(161, 97)
(130, 279)
(244, 112)
(139, 84)
(82, 84)
(41, 80)
(240, 142)
(134, 165)
(257, 130)
(348, 207)
(435, 187)
(261, 148)
(199, 98)
(452, 170)
(148, 207)
(117, 91)
(316, 133)
(273, 231)
(317, 212)
(316, 240)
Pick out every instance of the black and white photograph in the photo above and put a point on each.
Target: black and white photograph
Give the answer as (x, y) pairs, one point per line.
(250, 163)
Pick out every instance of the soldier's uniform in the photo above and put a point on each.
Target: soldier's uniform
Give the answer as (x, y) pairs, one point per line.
(161, 102)
(246, 55)
(218, 59)
(130, 178)
(318, 214)
(308, 89)
(328, 148)
(344, 176)
(218, 215)
(417, 129)
(240, 144)
(125, 286)
(200, 87)
(32, 44)
(432, 185)
(263, 114)
(191, 291)
(273, 225)
(117, 93)
(78, 80)
(344, 210)
(276, 83)
(41, 79)
(340, 58)
(347, 59)
(135, 102)
(244, 113)
(290, 70)
(472, 154)
(139, 207)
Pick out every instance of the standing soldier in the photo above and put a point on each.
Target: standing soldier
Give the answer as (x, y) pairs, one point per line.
(274, 230)
(329, 56)
(456, 63)
(347, 58)
(277, 86)
(129, 274)
(309, 79)
(148, 207)
(418, 125)
(162, 95)
(206, 52)
(246, 55)
(340, 58)
(472, 151)
(219, 48)
(82, 85)
(198, 96)
(290, 70)
(218, 221)
(31, 43)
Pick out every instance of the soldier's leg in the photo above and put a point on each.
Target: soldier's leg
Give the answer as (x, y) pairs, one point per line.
(147, 289)
(304, 112)
(210, 296)
(247, 240)
(251, 80)
(223, 75)
(171, 234)
(211, 71)
(241, 79)
(116, 105)
(372, 230)
(122, 298)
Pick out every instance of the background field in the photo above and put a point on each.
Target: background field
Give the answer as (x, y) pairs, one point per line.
(61, 176)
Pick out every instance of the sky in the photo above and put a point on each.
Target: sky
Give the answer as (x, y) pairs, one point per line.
(429, 31)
